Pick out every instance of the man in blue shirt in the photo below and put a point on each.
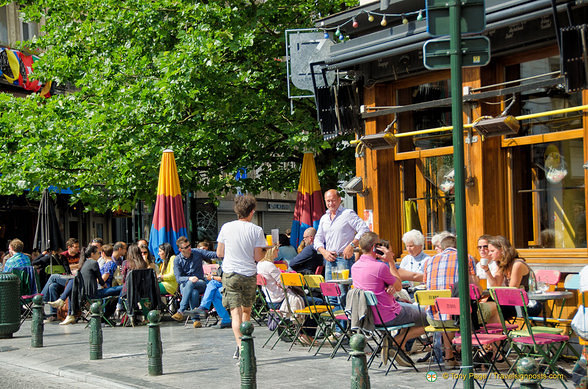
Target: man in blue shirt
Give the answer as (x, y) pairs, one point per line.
(308, 260)
(190, 276)
(17, 258)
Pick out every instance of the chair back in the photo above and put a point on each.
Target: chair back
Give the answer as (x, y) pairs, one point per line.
(427, 297)
(261, 281)
(370, 298)
(281, 266)
(29, 280)
(330, 289)
(292, 279)
(142, 284)
(319, 269)
(572, 282)
(281, 261)
(210, 268)
(550, 277)
(475, 293)
(448, 305)
(511, 296)
(314, 281)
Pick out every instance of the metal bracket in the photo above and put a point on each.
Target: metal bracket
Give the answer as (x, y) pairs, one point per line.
(471, 139)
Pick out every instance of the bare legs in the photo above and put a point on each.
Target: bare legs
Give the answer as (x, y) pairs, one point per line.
(238, 316)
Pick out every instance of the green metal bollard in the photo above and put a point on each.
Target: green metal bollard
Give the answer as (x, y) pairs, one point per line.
(96, 331)
(528, 368)
(360, 378)
(248, 366)
(37, 326)
(154, 347)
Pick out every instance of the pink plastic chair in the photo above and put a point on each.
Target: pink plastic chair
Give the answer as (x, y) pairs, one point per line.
(451, 306)
(543, 345)
(549, 277)
(489, 328)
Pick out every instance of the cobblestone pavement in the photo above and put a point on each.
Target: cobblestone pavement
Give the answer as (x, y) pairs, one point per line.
(191, 357)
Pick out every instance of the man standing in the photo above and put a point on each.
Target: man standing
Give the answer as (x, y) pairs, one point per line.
(241, 244)
(190, 276)
(17, 258)
(309, 259)
(337, 236)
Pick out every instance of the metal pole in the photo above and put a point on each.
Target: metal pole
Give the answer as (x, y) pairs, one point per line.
(458, 166)
(37, 325)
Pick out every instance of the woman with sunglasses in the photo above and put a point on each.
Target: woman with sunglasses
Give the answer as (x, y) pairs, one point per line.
(485, 259)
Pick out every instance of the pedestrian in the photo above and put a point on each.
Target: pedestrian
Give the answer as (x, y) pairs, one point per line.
(240, 244)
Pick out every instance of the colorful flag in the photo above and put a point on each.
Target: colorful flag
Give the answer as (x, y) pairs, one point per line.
(169, 222)
(310, 206)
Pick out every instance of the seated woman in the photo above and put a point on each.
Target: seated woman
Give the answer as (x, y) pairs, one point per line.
(286, 252)
(166, 277)
(91, 276)
(513, 271)
(273, 291)
(148, 257)
(134, 261)
(213, 297)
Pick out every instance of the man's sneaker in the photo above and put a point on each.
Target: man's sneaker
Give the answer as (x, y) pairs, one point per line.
(50, 319)
(237, 353)
(197, 324)
(178, 316)
(225, 325)
(401, 358)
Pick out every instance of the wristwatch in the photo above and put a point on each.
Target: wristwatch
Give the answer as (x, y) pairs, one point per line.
(352, 245)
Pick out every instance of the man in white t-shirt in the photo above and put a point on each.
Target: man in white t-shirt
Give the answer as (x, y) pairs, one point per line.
(240, 244)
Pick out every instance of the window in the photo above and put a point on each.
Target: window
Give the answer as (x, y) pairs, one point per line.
(548, 199)
(546, 164)
(428, 195)
(29, 30)
(424, 119)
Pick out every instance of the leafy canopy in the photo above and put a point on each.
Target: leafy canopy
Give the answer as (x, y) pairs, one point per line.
(206, 79)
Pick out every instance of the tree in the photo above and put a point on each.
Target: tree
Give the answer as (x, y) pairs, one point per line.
(204, 79)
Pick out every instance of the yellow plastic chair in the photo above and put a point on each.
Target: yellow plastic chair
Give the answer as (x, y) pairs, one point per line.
(281, 266)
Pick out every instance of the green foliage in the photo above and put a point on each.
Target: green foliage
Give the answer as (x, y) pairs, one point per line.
(205, 79)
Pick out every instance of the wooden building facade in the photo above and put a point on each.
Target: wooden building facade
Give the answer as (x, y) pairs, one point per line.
(529, 186)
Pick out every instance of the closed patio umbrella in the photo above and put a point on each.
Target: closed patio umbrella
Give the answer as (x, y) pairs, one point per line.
(47, 233)
(309, 201)
(169, 222)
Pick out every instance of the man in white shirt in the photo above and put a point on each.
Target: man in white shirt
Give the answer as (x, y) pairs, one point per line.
(240, 244)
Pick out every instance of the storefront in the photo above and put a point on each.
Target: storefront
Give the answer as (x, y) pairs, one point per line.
(528, 186)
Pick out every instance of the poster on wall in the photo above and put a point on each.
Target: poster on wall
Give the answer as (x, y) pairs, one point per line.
(368, 217)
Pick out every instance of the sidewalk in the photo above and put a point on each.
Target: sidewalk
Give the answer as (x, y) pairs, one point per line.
(194, 357)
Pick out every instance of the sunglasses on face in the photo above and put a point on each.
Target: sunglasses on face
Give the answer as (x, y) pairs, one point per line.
(484, 247)
(185, 247)
(144, 252)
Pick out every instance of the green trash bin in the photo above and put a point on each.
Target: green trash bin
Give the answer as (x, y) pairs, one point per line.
(9, 305)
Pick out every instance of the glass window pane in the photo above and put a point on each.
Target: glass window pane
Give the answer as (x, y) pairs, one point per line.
(3, 26)
(548, 185)
(429, 203)
(424, 119)
(544, 99)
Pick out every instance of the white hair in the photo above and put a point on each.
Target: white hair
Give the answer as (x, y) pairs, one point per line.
(437, 238)
(415, 237)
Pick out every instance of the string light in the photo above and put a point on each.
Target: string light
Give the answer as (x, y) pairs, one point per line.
(353, 21)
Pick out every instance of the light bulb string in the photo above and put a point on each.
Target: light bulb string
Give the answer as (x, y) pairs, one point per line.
(383, 15)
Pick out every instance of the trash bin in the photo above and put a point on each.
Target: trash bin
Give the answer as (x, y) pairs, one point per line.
(9, 305)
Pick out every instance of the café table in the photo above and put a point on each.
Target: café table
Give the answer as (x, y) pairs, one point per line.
(546, 296)
(345, 281)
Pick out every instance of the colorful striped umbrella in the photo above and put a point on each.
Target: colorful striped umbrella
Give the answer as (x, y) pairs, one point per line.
(169, 222)
(309, 201)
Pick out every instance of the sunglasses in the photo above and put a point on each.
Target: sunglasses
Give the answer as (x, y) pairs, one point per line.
(185, 247)
(144, 252)
(484, 247)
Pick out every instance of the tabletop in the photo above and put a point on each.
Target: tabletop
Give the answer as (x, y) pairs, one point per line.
(346, 281)
(555, 295)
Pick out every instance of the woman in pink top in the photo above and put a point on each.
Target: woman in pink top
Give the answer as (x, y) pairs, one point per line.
(383, 280)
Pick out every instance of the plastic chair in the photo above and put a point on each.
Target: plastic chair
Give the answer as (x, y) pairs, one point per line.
(331, 289)
(549, 277)
(426, 298)
(546, 347)
(29, 288)
(384, 332)
(451, 306)
(282, 266)
(319, 270)
(311, 310)
(260, 308)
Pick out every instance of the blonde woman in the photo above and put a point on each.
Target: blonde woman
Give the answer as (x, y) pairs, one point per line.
(273, 290)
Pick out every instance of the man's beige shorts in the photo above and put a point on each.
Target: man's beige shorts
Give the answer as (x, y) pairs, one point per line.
(239, 290)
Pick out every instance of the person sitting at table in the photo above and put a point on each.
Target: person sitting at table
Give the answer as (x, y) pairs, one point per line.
(513, 271)
(286, 252)
(485, 258)
(273, 291)
(437, 238)
(166, 278)
(308, 259)
(383, 280)
(441, 272)
(416, 258)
